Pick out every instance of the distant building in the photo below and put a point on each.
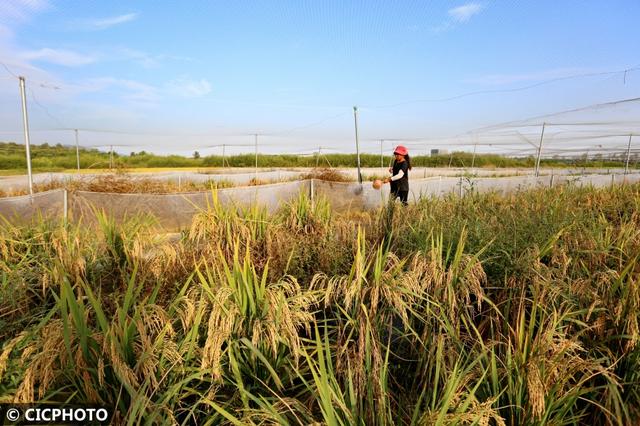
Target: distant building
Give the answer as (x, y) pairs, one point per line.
(435, 152)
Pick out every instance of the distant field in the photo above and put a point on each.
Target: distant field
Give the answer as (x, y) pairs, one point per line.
(61, 158)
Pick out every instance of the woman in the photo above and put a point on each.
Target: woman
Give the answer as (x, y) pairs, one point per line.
(400, 175)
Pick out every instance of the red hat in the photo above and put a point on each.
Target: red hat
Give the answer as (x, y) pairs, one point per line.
(401, 150)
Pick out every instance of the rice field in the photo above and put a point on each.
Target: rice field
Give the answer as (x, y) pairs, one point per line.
(520, 309)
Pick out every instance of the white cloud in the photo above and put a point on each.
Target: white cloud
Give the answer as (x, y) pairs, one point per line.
(128, 89)
(5, 33)
(142, 58)
(143, 93)
(145, 59)
(20, 10)
(104, 23)
(59, 57)
(465, 12)
(459, 15)
(188, 88)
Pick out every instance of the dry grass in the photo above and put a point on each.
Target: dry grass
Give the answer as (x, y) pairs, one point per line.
(328, 174)
(122, 184)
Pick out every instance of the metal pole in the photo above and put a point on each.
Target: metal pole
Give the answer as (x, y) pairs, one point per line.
(223, 146)
(626, 164)
(426, 153)
(355, 119)
(473, 159)
(586, 161)
(77, 150)
(25, 121)
(256, 140)
(537, 172)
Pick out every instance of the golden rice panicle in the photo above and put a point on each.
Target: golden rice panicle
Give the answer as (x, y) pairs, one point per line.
(220, 327)
(6, 351)
(43, 359)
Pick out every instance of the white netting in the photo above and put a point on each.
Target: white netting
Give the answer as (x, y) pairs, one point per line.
(15, 183)
(25, 208)
(177, 210)
(344, 196)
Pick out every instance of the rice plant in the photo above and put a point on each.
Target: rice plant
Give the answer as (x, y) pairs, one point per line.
(488, 310)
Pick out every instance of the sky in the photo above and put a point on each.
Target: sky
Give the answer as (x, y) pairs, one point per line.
(174, 77)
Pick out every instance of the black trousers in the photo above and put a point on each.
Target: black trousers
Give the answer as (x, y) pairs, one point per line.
(403, 195)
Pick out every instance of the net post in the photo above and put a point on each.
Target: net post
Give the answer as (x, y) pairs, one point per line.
(355, 119)
(626, 164)
(537, 171)
(25, 121)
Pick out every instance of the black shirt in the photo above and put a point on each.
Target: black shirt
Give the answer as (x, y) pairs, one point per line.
(401, 184)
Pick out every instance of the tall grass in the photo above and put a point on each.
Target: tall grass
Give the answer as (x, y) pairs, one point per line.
(495, 310)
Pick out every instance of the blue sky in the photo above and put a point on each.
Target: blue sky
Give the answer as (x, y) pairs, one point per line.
(180, 76)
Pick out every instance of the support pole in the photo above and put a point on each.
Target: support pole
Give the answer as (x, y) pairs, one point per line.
(223, 147)
(27, 144)
(355, 118)
(626, 164)
(426, 156)
(256, 141)
(473, 159)
(77, 150)
(537, 171)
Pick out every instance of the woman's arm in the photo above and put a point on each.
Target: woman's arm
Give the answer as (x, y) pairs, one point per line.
(399, 175)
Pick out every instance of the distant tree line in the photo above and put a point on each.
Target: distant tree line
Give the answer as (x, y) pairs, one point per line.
(57, 157)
